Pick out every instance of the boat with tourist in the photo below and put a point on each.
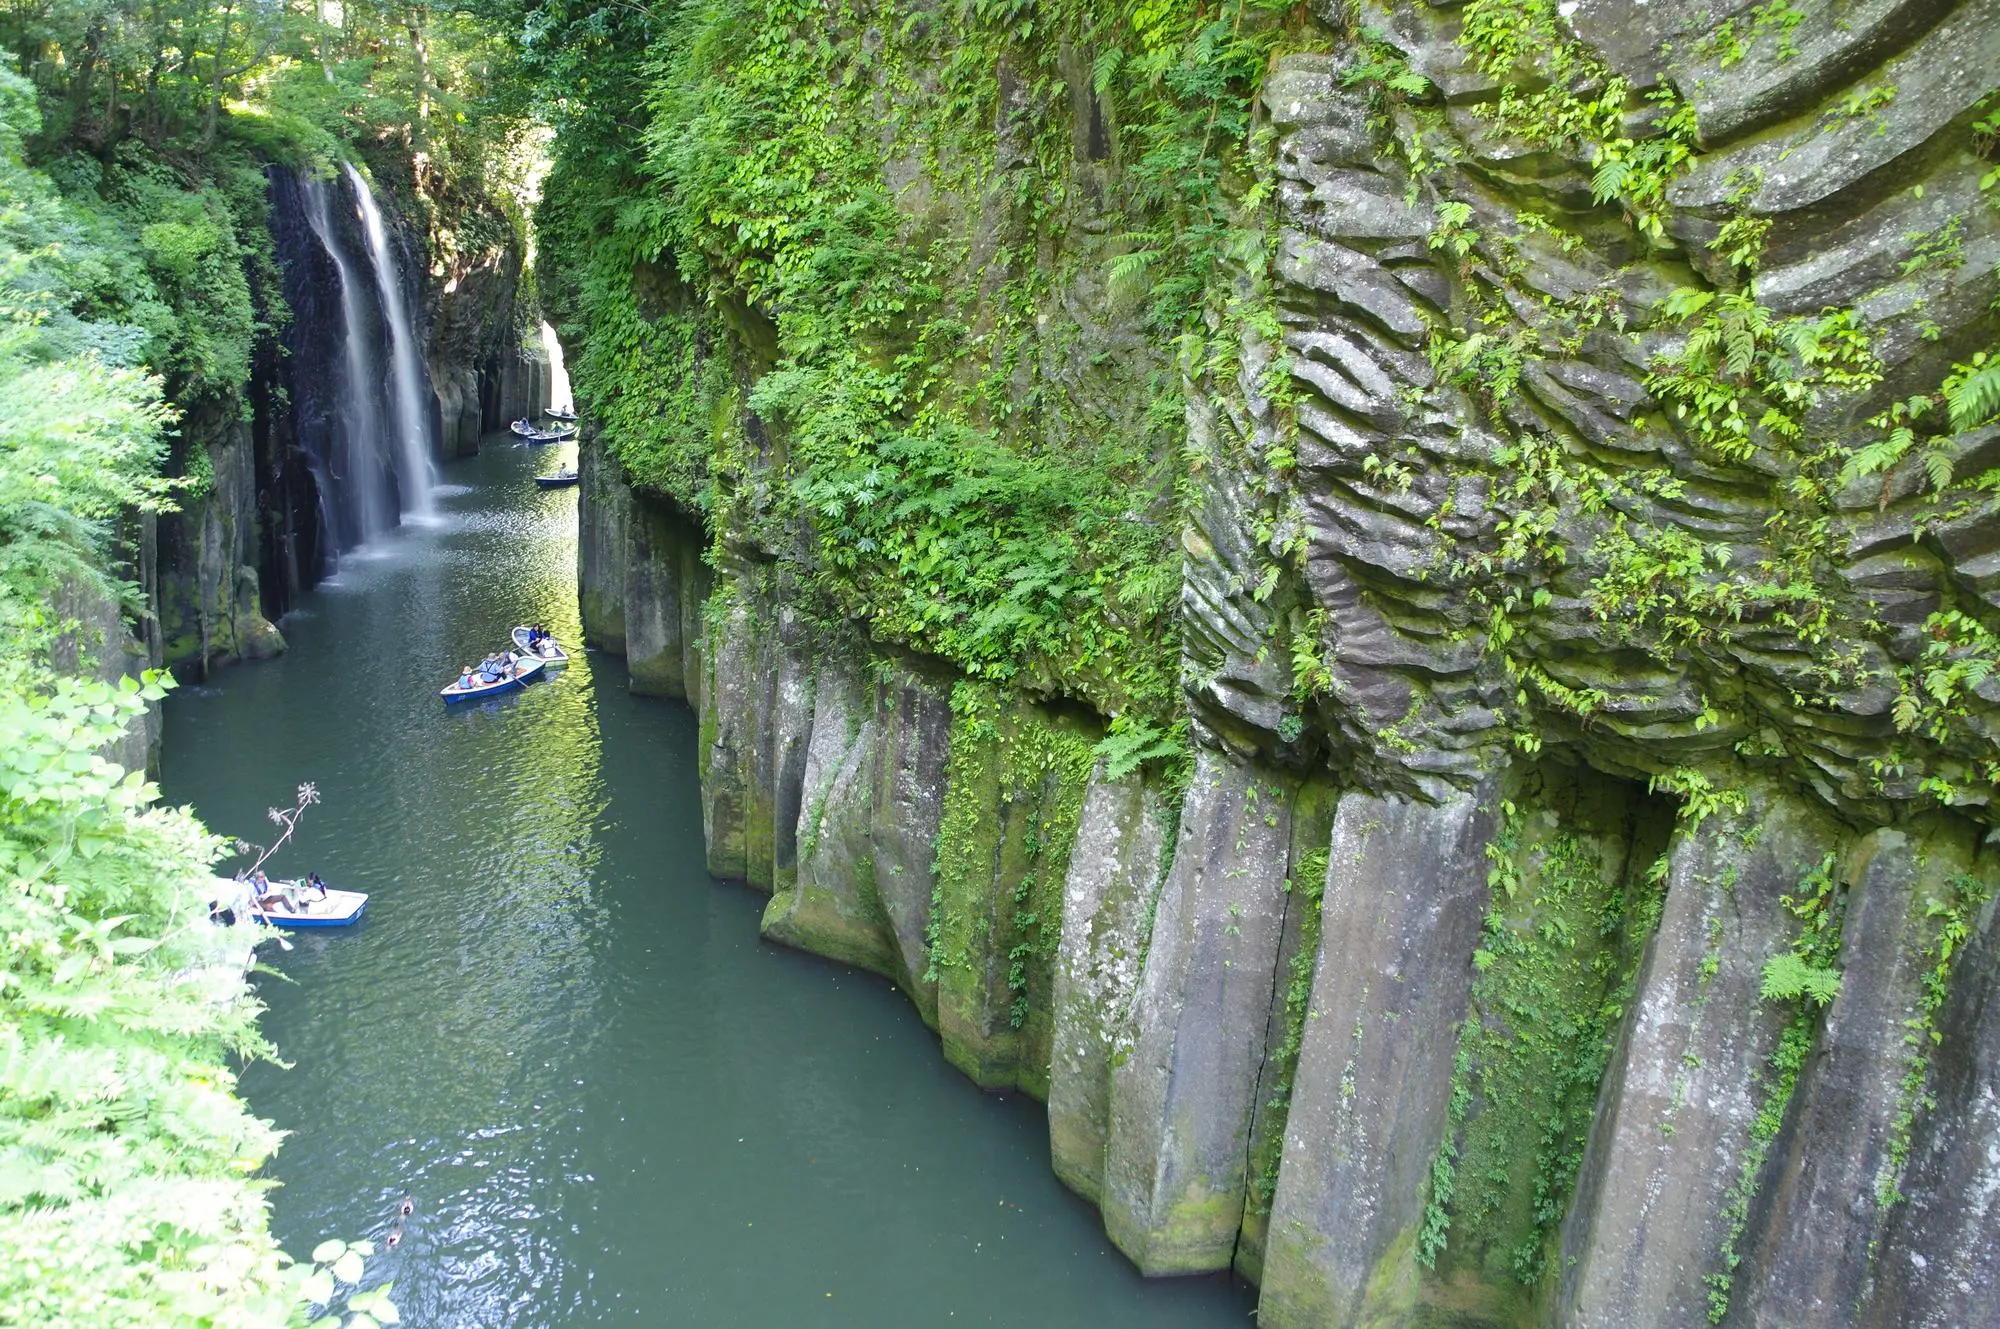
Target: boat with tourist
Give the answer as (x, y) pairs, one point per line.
(539, 645)
(298, 904)
(564, 478)
(502, 672)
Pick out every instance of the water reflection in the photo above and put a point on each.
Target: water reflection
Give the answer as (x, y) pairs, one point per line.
(611, 1102)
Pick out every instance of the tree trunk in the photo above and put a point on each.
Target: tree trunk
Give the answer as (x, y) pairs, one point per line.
(420, 83)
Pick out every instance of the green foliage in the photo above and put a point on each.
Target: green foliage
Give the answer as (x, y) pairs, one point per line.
(1013, 800)
(922, 444)
(1789, 977)
(82, 437)
(126, 1157)
(124, 1152)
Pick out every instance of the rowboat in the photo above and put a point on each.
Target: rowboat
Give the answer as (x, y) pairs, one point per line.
(534, 437)
(550, 654)
(560, 480)
(294, 904)
(561, 431)
(522, 673)
(555, 414)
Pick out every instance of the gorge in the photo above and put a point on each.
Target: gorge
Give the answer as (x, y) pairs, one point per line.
(1388, 607)
(1529, 861)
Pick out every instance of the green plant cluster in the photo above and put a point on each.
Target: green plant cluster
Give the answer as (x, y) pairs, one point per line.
(886, 235)
(125, 1196)
(1554, 973)
(127, 1161)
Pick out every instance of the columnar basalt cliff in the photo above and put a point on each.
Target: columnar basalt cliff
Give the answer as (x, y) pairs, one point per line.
(1573, 901)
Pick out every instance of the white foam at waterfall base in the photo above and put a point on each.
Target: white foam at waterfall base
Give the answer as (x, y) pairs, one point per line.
(408, 417)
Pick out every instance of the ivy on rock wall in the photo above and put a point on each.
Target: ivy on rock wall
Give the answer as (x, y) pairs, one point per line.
(907, 298)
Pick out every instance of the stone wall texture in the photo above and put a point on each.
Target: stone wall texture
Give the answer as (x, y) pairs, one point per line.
(1428, 1003)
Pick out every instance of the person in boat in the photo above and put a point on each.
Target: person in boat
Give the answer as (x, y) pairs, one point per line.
(266, 895)
(465, 678)
(313, 881)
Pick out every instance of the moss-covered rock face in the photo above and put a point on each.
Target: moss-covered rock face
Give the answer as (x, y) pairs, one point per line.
(1390, 607)
(1013, 800)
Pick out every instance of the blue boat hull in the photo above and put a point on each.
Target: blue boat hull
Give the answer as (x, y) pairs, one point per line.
(556, 481)
(530, 671)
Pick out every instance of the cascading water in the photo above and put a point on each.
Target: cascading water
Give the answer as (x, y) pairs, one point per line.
(408, 383)
(360, 506)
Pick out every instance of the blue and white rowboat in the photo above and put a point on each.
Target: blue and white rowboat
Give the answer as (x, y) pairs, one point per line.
(301, 907)
(524, 672)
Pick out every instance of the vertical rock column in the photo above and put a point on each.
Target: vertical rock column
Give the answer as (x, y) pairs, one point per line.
(1653, 1209)
(1827, 1188)
(870, 804)
(1012, 804)
(665, 585)
(604, 521)
(1314, 807)
(1938, 1265)
(1109, 893)
(1405, 895)
(1182, 1099)
(738, 743)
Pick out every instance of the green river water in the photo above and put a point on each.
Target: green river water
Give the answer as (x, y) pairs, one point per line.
(611, 1103)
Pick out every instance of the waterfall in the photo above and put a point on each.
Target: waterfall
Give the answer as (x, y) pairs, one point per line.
(352, 466)
(408, 383)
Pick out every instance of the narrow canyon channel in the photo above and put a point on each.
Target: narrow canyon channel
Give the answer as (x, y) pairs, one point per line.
(610, 1102)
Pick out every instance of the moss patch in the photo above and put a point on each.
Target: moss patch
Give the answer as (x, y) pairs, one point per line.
(1013, 798)
(1574, 900)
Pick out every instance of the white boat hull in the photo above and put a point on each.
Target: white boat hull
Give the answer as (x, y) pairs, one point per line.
(338, 909)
